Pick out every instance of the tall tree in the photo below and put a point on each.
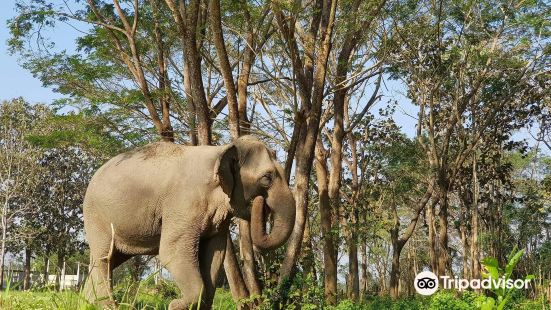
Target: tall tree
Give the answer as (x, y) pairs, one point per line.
(469, 74)
(309, 69)
(353, 33)
(18, 169)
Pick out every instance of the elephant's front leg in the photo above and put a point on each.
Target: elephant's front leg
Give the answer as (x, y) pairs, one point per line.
(178, 252)
(211, 258)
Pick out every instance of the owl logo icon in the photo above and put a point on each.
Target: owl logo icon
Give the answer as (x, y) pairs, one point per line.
(426, 283)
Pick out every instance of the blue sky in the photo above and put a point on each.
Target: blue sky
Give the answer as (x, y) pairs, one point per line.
(14, 80)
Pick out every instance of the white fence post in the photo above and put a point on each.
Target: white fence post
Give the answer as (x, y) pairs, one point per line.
(78, 274)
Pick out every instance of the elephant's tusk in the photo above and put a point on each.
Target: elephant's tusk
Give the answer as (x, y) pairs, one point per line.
(111, 246)
(108, 258)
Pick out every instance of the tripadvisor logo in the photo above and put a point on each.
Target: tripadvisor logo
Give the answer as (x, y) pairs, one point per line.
(426, 283)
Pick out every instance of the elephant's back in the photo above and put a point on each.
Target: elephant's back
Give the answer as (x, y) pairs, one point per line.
(137, 171)
(132, 187)
(147, 155)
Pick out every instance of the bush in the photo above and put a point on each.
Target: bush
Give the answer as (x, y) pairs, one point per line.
(379, 302)
(383, 303)
(529, 304)
(302, 293)
(346, 305)
(410, 303)
(223, 300)
(444, 300)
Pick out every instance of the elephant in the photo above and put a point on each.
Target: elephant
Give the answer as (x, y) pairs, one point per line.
(177, 201)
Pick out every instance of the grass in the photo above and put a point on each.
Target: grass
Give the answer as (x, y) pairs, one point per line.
(43, 300)
(147, 298)
(130, 295)
(158, 297)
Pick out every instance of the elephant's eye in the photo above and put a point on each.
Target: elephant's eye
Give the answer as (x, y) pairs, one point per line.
(266, 180)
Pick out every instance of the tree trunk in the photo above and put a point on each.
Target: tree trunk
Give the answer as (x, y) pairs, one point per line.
(443, 256)
(233, 273)
(238, 123)
(398, 242)
(27, 277)
(395, 269)
(464, 240)
(334, 184)
(384, 290)
(326, 225)
(475, 255)
(186, 17)
(60, 260)
(549, 294)
(396, 251)
(433, 250)
(397, 246)
(192, 118)
(225, 67)
(354, 281)
(364, 280)
(247, 255)
(309, 133)
(3, 244)
(414, 267)
(243, 78)
(309, 259)
(167, 132)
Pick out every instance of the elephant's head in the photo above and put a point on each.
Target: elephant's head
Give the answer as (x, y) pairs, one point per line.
(247, 171)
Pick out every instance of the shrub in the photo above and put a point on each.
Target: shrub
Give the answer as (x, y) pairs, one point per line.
(529, 304)
(444, 300)
(494, 271)
(223, 300)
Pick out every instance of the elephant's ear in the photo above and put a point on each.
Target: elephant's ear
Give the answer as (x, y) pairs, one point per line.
(226, 168)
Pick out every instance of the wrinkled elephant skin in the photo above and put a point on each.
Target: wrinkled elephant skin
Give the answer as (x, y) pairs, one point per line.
(177, 201)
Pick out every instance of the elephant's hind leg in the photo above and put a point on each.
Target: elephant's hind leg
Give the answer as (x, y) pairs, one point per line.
(104, 257)
(97, 288)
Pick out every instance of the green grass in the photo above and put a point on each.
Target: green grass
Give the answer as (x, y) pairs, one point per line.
(69, 300)
(43, 300)
(153, 298)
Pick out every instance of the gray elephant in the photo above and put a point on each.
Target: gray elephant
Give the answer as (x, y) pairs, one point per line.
(177, 201)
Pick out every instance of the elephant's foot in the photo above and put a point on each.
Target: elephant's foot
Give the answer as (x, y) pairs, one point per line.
(107, 304)
(103, 301)
(182, 304)
(98, 293)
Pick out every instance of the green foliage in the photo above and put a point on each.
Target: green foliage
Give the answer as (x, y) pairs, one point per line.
(76, 129)
(345, 305)
(223, 300)
(449, 300)
(529, 304)
(303, 292)
(385, 302)
(28, 300)
(494, 271)
(149, 297)
(152, 296)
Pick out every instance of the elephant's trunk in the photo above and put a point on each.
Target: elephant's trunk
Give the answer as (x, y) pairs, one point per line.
(283, 212)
